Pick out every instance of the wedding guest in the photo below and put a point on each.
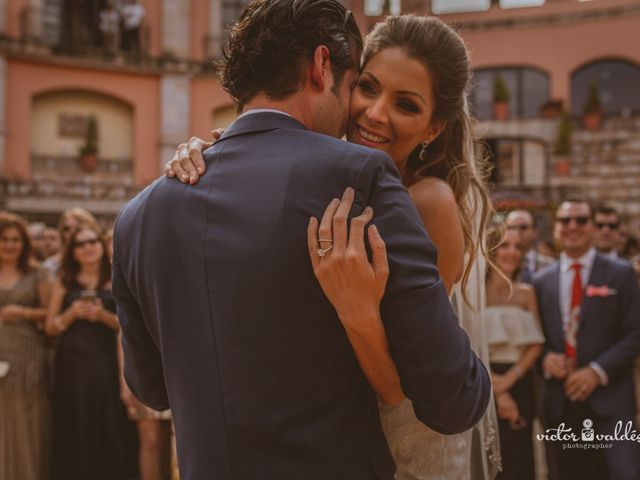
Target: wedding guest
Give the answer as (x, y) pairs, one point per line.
(88, 417)
(51, 242)
(69, 221)
(590, 311)
(24, 406)
(108, 240)
(36, 237)
(110, 27)
(532, 260)
(132, 16)
(607, 234)
(154, 432)
(548, 248)
(515, 343)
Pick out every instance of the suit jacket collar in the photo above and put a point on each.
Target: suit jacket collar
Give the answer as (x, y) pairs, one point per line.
(260, 122)
(554, 289)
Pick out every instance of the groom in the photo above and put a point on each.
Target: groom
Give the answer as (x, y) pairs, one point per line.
(222, 317)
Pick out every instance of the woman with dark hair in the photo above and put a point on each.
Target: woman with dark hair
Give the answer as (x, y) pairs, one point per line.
(515, 343)
(24, 406)
(88, 416)
(411, 102)
(69, 221)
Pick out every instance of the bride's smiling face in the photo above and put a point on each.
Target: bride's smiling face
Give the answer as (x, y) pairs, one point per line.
(392, 105)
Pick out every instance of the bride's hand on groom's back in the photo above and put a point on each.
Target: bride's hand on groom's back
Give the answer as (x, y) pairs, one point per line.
(353, 285)
(187, 164)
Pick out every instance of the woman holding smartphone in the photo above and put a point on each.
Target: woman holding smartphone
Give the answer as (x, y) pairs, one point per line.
(88, 417)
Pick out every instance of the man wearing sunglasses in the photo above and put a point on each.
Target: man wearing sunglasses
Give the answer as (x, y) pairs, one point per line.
(590, 310)
(607, 232)
(532, 261)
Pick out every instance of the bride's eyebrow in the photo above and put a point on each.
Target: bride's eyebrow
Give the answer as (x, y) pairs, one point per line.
(373, 78)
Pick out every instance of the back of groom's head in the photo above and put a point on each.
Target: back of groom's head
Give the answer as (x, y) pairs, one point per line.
(273, 40)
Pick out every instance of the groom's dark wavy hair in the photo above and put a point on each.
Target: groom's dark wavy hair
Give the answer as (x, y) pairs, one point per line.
(274, 40)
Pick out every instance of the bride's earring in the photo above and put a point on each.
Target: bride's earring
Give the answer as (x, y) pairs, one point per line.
(423, 152)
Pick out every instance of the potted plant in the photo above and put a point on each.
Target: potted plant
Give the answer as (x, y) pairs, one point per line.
(592, 109)
(552, 109)
(89, 150)
(562, 147)
(501, 97)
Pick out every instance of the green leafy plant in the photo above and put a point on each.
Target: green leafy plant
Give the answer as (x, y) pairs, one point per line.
(563, 142)
(500, 90)
(592, 104)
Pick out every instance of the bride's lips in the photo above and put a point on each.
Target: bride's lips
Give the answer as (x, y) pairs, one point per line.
(370, 138)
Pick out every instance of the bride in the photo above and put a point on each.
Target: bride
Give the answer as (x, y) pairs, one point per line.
(410, 101)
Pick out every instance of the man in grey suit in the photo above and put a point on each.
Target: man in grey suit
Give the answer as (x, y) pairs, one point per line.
(222, 317)
(590, 310)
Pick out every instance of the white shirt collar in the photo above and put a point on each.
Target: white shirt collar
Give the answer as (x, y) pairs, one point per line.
(586, 260)
(613, 255)
(263, 110)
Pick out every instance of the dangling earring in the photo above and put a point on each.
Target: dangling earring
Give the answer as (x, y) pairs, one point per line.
(423, 152)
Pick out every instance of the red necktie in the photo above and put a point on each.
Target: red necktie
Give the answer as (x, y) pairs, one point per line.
(574, 315)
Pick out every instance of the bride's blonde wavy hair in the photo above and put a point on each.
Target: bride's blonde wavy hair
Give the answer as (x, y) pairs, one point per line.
(454, 156)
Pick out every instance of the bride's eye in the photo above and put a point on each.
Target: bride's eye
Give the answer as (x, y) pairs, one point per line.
(408, 106)
(366, 88)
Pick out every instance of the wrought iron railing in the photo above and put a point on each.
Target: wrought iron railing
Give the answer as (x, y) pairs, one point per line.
(70, 34)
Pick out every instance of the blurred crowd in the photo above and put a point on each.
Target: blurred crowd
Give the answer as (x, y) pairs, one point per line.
(563, 327)
(67, 412)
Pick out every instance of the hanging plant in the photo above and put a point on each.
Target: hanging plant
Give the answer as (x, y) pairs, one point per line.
(592, 109)
(501, 98)
(89, 150)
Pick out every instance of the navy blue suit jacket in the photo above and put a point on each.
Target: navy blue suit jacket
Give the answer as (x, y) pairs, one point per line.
(224, 321)
(608, 334)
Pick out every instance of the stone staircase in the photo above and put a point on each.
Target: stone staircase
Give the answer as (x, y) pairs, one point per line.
(604, 167)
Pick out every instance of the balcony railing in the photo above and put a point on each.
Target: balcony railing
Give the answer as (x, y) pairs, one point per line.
(56, 167)
(59, 183)
(70, 34)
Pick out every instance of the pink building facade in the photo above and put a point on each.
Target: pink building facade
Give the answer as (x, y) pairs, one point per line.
(57, 71)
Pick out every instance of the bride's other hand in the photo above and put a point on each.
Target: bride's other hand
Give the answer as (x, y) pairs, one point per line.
(353, 285)
(187, 163)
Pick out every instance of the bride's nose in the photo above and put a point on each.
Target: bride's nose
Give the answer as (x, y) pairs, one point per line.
(377, 111)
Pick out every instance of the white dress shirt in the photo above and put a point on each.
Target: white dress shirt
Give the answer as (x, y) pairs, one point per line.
(566, 290)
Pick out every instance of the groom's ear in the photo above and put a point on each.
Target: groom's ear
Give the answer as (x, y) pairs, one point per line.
(320, 69)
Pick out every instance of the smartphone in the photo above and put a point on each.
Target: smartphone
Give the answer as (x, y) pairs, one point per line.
(88, 295)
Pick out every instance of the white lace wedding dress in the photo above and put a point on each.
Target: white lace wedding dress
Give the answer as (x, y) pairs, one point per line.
(423, 454)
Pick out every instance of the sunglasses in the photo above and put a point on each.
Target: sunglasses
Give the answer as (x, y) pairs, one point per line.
(612, 226)
(521, 228)
(81, 244)
(582, 221)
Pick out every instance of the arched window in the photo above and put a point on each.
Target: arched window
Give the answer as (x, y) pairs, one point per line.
(618, 83)
(517, 162)
(59, 129)
(528, 87)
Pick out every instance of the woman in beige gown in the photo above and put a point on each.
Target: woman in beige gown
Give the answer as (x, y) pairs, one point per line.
(24, 403)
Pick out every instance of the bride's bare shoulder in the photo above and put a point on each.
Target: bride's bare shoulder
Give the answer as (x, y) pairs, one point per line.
(433, 193)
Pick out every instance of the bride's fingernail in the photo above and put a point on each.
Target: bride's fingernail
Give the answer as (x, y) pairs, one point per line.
(367, 211)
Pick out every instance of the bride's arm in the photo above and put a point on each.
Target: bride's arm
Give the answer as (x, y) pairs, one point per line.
(438, 210)
(355, 287)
